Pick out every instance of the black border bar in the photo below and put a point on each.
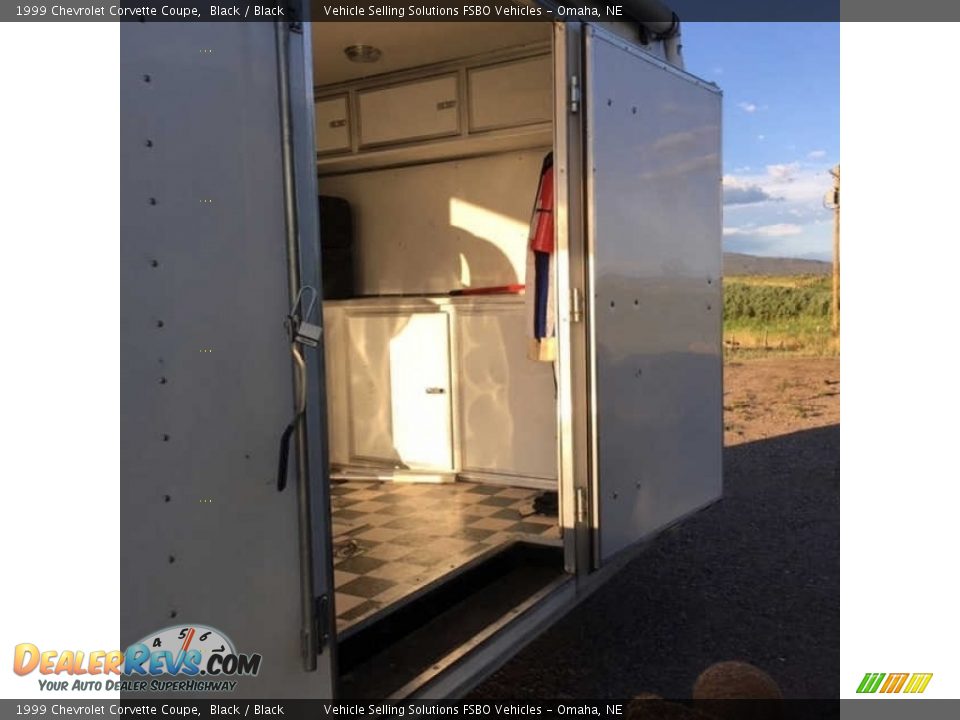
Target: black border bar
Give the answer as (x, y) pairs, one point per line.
(468, 10)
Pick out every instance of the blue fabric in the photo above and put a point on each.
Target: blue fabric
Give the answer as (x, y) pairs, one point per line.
(541, 288)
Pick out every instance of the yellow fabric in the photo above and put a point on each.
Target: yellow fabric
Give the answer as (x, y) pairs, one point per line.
(544, 350)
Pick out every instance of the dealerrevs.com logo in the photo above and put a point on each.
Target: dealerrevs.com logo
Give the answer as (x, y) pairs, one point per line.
(909, 683)
(182, 658)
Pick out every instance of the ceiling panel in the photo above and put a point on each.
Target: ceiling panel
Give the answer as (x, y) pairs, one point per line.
(411, 44)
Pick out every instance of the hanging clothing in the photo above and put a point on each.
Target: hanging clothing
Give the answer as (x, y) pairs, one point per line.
(541, 269)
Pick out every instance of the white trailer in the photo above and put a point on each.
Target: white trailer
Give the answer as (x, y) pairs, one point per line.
(448, 497)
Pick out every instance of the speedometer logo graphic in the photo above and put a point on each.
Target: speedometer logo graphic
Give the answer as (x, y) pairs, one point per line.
(184, 638)
(188, 650)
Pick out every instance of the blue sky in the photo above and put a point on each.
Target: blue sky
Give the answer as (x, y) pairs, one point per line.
(781, 127)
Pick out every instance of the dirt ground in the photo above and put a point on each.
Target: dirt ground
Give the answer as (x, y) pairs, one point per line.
(754, 577)
(770, 397)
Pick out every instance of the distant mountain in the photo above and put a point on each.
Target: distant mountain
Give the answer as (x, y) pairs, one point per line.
(740, 264)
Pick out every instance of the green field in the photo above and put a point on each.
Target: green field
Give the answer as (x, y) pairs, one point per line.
(763, 314)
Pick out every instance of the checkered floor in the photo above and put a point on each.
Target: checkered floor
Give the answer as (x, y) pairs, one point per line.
(391, 538)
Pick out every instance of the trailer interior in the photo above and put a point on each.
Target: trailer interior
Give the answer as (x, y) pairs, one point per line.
(455, 483)
(442, 422)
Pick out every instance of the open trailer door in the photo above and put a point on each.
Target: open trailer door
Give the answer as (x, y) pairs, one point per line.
(214, 558)
(654, 304)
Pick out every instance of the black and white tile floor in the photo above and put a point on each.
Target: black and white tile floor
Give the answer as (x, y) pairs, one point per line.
(391, 538)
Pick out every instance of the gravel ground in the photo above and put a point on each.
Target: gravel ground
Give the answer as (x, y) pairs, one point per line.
(755, 577)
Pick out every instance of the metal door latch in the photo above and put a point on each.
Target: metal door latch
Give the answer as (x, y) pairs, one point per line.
(303, 333)
(300, 330)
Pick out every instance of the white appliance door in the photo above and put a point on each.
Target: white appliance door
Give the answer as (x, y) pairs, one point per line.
(400, 389)
(420, 382)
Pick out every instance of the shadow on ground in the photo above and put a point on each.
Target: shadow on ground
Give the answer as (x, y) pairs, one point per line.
(755, 577)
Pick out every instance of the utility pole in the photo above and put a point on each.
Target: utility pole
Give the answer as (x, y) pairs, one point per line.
(835, 305)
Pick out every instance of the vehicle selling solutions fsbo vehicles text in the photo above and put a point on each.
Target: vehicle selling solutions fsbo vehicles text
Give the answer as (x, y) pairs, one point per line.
(403, 11)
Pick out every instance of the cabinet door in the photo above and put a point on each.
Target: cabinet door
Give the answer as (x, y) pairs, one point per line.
(507, 409)
(511, 94)
(399, 368)
(332, 125)
(411, 111)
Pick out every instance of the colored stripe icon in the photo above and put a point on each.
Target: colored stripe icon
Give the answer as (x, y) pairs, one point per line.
(918, 682)
(894, 682)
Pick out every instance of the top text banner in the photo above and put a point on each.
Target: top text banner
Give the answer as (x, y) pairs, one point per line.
(467, 11)
(470, 11)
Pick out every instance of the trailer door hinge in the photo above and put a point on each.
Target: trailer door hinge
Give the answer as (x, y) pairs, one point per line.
(576, 305)
(581, 505)
(321, 617)
(574, 94)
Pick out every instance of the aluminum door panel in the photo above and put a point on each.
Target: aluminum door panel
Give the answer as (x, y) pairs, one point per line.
(206, 381)
(655, 310)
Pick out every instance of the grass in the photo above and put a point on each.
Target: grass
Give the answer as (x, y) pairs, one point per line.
(784, 315)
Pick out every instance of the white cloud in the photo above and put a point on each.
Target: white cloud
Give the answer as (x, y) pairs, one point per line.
(784, 172)
(799, 186)
(777, 230)
(747, 107)
(795, 224)
(718, 71)
(814, 242)
(739, 192)
(817, 154)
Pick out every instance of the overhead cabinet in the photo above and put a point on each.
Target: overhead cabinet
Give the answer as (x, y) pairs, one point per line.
(510, 94)
(332, 125)
(494, 104)
(416, 110)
